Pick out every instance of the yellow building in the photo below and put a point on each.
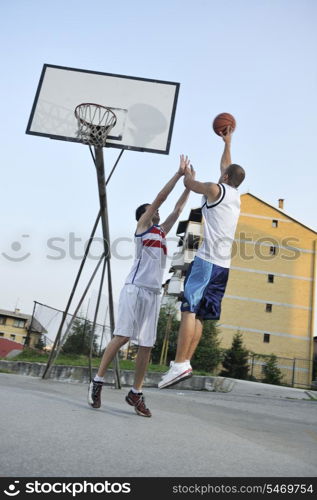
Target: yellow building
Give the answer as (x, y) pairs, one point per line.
(270, 292)
(15, 325)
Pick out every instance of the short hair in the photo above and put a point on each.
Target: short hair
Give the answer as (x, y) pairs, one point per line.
(236, 174)
(140, 210)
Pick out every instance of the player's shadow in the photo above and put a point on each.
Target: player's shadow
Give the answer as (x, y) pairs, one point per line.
(113, 411)
(147, 123)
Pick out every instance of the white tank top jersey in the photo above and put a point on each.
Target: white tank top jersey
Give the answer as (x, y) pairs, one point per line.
(150, 260)
(220, 222)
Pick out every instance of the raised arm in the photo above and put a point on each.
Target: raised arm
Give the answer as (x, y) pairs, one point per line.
(145, 219)
(209, 189)
(181, 202)
(226, 155)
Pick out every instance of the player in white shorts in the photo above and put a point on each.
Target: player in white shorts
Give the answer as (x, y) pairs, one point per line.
(139, 301)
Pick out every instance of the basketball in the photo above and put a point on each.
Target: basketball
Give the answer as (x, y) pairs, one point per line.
(222, 121)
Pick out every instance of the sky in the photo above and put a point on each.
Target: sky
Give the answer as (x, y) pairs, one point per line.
(255, 59)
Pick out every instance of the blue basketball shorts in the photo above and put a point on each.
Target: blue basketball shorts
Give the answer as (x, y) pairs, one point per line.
(204, 287)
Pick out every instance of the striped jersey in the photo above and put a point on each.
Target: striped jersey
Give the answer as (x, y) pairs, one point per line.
(220, 222)
(150, 259)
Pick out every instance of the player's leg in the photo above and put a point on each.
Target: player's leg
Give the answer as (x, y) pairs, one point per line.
(190, 330)
(147, 312)
(185, 336)
(123, 332)
(197, 279)
(141, 364)
(111, 350)
(135, 396)
(196, 338)
(95, 386)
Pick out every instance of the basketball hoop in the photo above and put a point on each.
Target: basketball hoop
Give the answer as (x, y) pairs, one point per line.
(94, 123)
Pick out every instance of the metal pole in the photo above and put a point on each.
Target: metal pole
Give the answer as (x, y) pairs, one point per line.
(167, 339)
(100, 170)
(59, 333)
(95, 318)
(252, 364)
(165, 344)
(28, 335)
(56, 353)
(57, 342)
(103, 331)
(294, 367)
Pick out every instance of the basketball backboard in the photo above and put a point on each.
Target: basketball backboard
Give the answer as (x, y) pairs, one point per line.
(145, 108)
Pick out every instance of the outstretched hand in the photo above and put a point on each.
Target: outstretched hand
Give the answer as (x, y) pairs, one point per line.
(227, 136)
(189, 173)
(184, 163)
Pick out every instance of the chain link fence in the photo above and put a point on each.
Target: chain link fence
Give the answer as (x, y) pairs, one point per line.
(48, 320)
(295, 372)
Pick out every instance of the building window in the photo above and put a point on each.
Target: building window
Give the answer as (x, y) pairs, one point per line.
(12, 337)
(270, 278)
(192, 241)
(2, 320)
(19, 323)
(274, 223)
(266, 338)
(24, 339)
(268, 308)
(1, 334)
(272, 250)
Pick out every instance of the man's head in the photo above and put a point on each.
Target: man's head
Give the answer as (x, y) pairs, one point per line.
(233, 175)
(142, 209)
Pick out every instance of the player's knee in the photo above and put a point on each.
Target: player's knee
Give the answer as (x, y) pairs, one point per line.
(122, 339)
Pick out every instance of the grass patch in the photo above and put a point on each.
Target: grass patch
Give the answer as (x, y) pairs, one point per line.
(33, 356)
(77, 360)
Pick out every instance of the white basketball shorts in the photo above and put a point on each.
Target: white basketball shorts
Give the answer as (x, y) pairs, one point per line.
(138, 314)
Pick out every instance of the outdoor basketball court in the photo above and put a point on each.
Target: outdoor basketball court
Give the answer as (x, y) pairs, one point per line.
(101, 110)
(235, 434)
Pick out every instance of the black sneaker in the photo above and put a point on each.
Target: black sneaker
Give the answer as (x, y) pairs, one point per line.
(94, 392)
(137, 400)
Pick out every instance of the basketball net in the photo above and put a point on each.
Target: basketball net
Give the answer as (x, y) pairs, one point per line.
(94, 123)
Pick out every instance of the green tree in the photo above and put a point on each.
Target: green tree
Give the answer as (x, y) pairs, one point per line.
(235, 361)
(41, 343)
(272, 374)
(79, 338)
(167, 328)
(208, 353)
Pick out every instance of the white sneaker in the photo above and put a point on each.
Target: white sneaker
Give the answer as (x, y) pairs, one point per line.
(173, 362)
(176, 373)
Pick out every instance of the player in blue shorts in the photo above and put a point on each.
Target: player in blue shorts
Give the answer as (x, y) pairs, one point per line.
(207, 276)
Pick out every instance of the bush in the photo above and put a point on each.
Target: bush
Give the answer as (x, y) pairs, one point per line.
(208, 354)
(167, 325)
(79, 338)
(235, 362)
(272, 374)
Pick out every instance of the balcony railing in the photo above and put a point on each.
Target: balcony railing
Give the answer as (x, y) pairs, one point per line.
(175, 286)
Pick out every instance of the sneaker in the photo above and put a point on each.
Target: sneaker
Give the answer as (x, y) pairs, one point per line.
(137, 400)
(94, 392)
(171, 364)
(176, 373)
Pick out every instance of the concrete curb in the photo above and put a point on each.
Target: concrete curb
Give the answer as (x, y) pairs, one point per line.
(81, 374)
(312, 395)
